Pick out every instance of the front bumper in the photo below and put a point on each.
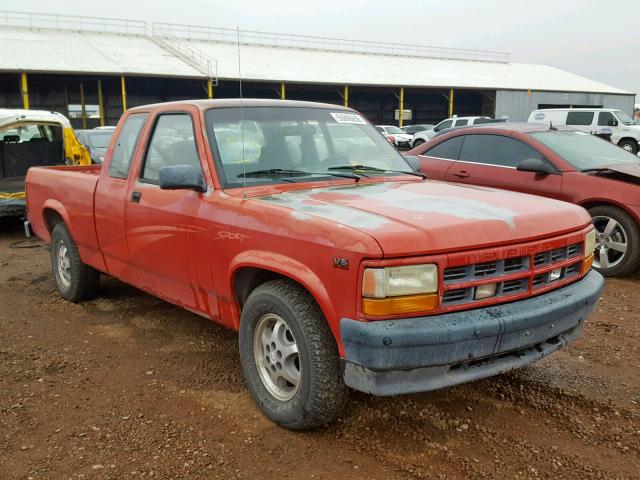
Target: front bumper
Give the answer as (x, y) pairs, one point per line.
(12, 207)
(427, 353)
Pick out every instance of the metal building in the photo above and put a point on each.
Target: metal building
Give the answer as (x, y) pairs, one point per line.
(92, 69)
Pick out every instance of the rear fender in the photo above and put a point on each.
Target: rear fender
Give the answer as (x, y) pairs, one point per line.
(41, 228)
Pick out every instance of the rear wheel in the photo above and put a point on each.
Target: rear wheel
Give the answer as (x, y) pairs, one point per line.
(617, 241)
(289, 357)
(629, 145)
(75, 280)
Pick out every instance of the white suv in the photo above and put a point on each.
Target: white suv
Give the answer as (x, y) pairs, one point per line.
(597, 121)
(426, 135)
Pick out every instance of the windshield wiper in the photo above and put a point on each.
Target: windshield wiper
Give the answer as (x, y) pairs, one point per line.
(281, 172)
(366, 168)
(596, 170)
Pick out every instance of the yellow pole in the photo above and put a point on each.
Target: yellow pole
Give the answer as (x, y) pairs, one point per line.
(24, 87)
(123, 87)
(400, 119)
(100, 103)
(282, 91)
(210, 88)
(346, 95)
(82, 106)
(451, 102)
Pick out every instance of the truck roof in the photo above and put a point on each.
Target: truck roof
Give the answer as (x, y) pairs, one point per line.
(522, 127)
(245, 102)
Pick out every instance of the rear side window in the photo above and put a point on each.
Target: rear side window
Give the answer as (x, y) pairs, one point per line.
(449, 149)
(462, 123)
(126, 145)
(443, 125)
(496, 150)
(606, 119)
(579, 118)
(172, 143)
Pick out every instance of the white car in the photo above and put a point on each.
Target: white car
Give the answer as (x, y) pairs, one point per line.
(395, 135)
(421, 137)
(597, 121)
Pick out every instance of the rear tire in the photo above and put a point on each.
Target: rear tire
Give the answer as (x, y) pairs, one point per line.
(75, 280)
(289, 357)
(630, 146)
(616, 230)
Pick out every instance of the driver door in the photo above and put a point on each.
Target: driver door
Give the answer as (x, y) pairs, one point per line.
(491, 160)
(168, 230)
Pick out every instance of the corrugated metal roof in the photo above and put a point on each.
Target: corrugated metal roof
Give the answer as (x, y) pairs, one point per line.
(87, 52)
(314, 66)
(64, 49)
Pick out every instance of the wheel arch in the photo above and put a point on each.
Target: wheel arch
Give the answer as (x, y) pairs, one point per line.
(587, 204)
(631, 139)
(253, 268)
(53, 213)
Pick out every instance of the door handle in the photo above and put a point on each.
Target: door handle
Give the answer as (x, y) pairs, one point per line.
(135, 197)
(461, 174)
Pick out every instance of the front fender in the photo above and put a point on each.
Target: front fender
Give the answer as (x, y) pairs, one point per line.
(287, 267)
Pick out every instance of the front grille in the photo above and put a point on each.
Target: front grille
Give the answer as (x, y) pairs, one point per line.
(513, 276)
(485, 270)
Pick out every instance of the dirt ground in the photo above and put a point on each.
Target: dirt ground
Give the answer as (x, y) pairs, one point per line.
(128, 386)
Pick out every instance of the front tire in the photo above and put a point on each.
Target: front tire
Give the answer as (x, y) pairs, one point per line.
(417, 143)
(630, 146)
(289, 357)
(75, 280)
(617, 241)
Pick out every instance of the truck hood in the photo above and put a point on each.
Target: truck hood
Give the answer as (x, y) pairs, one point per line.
(417, 217)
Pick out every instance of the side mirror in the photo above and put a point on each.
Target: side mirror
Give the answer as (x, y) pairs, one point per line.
(612, 122)
(413, 162)
(535, 165)
(182, 177)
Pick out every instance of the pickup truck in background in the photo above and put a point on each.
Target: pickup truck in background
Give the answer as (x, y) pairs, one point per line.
(31, 138)
(300, 226)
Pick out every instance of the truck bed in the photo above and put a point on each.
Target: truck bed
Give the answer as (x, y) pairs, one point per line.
(67, 191)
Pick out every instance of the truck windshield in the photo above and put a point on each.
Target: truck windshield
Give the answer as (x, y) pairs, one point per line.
(274, 142)
(584, 151)
(624, 118)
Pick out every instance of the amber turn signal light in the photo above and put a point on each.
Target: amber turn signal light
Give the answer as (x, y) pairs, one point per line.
(586, 264)
(398, 305)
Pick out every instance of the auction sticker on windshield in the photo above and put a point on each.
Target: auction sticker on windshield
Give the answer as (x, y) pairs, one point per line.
(341, 117)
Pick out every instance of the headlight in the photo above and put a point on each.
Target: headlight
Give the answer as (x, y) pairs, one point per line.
(590, 243)
(396, 281)
(398, 290)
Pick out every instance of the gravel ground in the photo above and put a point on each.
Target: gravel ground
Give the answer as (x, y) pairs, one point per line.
(128, 386)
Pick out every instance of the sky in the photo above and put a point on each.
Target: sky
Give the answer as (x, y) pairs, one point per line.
(596, 39)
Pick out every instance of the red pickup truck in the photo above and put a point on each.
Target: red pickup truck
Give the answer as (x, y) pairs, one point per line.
(300, 226)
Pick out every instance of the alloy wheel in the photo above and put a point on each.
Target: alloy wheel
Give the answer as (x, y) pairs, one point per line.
(275, 352)
(611, 242)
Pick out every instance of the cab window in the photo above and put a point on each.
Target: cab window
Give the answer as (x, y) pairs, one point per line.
(606, 119)
(172, 143)
(496, 150)
(125, 145)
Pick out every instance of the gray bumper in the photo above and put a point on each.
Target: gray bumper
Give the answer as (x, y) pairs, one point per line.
(12, 207)
(426, 353)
